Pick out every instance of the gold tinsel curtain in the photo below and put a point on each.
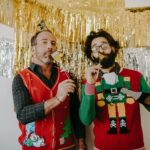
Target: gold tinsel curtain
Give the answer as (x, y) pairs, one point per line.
(71, 26)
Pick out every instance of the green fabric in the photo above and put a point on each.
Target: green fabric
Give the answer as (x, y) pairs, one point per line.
(87, 108)
(127, 84)
(67, 128)
(111, 97)
(115, 98)
(99, 88)
(120, 83)
(145, 88)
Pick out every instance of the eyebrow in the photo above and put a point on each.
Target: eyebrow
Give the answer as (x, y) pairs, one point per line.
(44, 39)
(47, 40)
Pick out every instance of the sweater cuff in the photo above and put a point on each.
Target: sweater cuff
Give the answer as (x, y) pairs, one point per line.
(89, 89)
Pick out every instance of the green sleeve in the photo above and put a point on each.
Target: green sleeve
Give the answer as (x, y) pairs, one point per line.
(87, 108)
(145, 88)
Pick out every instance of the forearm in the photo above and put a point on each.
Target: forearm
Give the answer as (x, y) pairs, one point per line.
(87, 106)
(87, 109)
(51, 104)
(36, 111)
(26, 110)
(30, 113)
(145, 98)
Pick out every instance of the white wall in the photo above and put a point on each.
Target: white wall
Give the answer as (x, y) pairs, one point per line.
(145, 115)
(137, 3)
(6, 31)
(9, 130)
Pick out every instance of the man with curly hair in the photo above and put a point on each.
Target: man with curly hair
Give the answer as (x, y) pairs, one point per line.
(111, 96)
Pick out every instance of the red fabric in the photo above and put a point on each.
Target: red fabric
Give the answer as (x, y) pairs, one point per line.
(118, 141)
(51, 127)
(35, 148)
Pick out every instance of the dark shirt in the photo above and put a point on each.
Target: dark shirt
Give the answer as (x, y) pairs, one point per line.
(28, 112)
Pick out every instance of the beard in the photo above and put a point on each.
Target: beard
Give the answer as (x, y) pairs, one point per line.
(47, 59)
(107, 61)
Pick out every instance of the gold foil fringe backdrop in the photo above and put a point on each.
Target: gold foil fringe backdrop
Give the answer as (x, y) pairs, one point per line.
(71, 26)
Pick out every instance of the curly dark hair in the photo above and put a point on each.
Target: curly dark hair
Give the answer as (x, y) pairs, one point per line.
(100, 33)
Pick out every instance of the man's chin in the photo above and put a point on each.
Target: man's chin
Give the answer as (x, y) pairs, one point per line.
(47, 62)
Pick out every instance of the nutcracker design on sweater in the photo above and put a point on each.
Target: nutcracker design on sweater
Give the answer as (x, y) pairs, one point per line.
(109, 93)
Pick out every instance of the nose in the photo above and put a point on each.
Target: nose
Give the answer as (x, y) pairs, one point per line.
(100, 49)
(51, 48)
(49, 45)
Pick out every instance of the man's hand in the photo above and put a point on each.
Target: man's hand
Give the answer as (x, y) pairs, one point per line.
(92, 74)
(64, 88)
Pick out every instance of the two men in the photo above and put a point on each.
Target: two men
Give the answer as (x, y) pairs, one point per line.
(111, 97)
(45, 101)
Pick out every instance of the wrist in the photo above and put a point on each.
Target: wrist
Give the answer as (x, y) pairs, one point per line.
(90, 89)
(58, 99)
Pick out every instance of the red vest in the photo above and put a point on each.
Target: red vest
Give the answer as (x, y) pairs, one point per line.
(130, 141)
(53, 127)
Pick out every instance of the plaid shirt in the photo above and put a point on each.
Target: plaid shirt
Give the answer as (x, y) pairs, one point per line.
(28, 112)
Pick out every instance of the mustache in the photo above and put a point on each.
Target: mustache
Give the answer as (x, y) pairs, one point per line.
(103, 54)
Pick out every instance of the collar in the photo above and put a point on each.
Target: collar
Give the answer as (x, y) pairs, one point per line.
(35, 67)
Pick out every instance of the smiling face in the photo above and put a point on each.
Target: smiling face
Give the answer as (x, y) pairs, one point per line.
(45, 45)
(102, 52)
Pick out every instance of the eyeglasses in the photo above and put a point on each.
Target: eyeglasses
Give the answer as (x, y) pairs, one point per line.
(103, 46)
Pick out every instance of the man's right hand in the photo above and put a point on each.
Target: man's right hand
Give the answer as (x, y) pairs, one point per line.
(64, 88)
(92, 74)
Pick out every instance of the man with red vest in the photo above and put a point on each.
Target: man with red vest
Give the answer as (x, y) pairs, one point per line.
(45, 101)
(111, 97)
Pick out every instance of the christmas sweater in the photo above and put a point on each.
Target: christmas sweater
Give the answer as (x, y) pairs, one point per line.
(54, 132)
(116, 116)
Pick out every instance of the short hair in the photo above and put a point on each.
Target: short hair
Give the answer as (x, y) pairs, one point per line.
(33, 38)
(100, 33)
